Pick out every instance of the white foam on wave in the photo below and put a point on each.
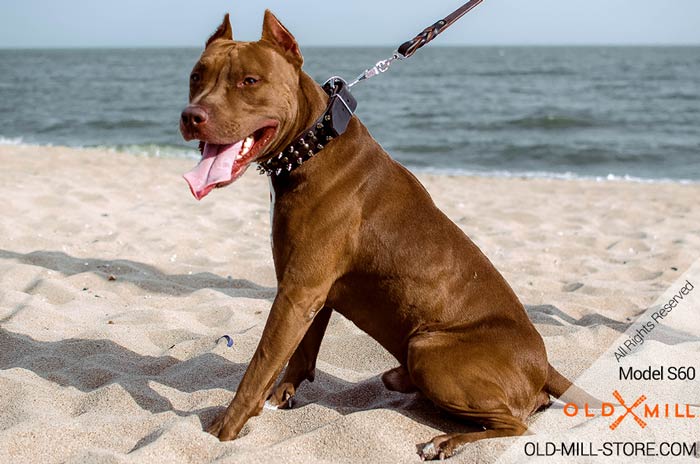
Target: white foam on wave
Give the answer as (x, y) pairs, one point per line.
(153, 151)
(147, 150)
(166, 151)
(568, 175)
(11, 141)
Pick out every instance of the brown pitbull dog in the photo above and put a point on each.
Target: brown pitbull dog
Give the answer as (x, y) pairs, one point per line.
(353, 231)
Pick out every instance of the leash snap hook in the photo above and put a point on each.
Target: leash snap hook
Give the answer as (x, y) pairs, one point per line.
(383, 66)
(407, 49)
(379, 68)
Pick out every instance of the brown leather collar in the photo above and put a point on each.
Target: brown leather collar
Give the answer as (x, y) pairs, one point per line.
(330, 124)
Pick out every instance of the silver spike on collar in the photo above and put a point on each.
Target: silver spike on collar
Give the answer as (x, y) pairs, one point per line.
(301, 150)
(328, 126)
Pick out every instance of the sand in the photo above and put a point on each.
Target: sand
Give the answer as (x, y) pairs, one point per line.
(115, 285)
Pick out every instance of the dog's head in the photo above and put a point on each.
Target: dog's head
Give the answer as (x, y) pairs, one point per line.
(243, 102)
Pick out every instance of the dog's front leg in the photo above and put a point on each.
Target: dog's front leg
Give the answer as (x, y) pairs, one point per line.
(291, 315)
(302, 365)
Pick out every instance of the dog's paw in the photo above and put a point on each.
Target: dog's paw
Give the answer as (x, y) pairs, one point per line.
(221, 428)
(437, 448)
(282, 397)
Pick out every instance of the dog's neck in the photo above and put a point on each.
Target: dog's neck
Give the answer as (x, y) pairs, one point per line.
(312, 102)
(314, 99)
(312, 128)
(327, 160)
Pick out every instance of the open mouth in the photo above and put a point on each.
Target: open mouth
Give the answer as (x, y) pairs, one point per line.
(222, 164)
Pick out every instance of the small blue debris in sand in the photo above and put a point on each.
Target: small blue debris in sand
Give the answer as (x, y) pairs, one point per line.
(229, 340)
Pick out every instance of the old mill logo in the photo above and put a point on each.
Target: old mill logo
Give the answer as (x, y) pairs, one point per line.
(639, 410)
(629, 410)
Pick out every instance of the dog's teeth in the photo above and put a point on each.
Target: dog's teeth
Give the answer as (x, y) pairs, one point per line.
(247, 145)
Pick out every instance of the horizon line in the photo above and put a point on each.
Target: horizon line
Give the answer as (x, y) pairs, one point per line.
(485, 45)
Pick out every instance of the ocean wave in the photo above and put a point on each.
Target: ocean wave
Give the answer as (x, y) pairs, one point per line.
(551, 122)
(568, 175)
(682, 96)
(424, 148)
(153, 150)
(11, 140)
(552, 72)
(99, 124)
(180, 151)
(545, 122)
(121, 124)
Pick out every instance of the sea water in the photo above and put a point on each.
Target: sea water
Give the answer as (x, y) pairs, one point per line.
(605, 112)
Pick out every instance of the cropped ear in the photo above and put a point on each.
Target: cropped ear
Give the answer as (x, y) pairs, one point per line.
(275, 33)
(223, 32)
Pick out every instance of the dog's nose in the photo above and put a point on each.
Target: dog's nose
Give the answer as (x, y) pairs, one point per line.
(194, 116)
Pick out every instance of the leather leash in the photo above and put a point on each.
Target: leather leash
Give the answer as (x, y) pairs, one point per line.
(407, 49)
(341, 104)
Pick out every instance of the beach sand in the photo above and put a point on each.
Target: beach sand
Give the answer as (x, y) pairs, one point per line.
(115, 285)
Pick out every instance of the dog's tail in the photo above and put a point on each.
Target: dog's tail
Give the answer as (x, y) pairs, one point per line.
(561, 387)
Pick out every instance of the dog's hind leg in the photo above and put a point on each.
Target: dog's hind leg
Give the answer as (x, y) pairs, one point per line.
(485, 386)
(498, 423)
(302, 364)
(398, 380)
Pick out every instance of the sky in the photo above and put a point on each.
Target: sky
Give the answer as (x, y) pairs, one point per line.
(166, 23)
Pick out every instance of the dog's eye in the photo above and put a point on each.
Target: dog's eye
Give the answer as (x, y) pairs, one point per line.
(250, 81)
(195, 77)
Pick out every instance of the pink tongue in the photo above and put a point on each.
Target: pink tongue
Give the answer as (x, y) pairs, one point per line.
(215, 167)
